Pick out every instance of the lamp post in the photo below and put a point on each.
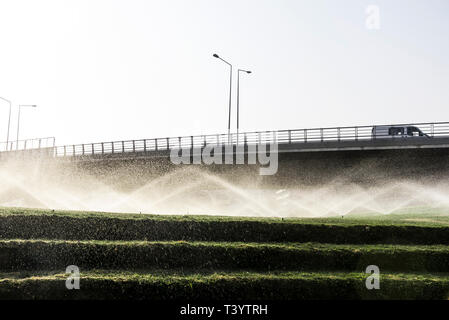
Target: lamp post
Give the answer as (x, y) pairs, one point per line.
(238, 99)
(230, 95)
(9, 122)
(18, 121)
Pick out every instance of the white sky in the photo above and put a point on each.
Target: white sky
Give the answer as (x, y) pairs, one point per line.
(115, 69)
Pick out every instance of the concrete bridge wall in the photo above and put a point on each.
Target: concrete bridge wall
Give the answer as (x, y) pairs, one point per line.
(364, 167)
(298, 165)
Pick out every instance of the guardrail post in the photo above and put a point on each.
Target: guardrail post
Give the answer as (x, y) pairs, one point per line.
(321, 134)
(168, 143)
(25, 145)
(123, 146)
(289, 136)
(144, 145)
(338, 134)
(134, 145)
(93, 148)
(102, 148)
(82, 149)
(191, 142)
(305, 135)
(356, 133)
(155, 144)
(40, 140)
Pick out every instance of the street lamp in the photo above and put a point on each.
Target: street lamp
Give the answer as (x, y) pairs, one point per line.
(9, 121)
(18, 121)
(238, 99)
(230, 94)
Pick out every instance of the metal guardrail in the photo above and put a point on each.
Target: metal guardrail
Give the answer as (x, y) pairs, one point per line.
(28, 144)
(316, 135)
(336, 134)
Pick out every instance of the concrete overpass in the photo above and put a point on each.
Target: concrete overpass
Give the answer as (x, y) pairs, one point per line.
(305, 156)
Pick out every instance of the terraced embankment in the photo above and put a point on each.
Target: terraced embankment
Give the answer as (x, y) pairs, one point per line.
(217, 258)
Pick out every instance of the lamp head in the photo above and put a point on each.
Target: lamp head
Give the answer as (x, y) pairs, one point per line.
(216, 55)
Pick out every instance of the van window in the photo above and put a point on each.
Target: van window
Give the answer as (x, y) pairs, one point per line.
(396, 131)
(414, 132)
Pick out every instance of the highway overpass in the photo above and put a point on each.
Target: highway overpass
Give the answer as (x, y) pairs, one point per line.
(305, 156)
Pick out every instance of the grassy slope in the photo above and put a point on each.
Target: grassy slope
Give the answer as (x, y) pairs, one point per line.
(222, 285)
(420, 217)
(417, 271)
(118, 255)
(44, 224)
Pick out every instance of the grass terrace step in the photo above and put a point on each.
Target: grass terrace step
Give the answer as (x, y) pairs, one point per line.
(193, 286)
(195, 258)
(18, 255)
(41, 224)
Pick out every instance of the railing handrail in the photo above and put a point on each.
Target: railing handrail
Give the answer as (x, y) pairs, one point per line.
(22, 140)
(305, 135)
(263, 131)
(16, 145)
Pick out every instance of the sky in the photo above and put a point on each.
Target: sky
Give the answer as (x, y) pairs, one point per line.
(107, 70)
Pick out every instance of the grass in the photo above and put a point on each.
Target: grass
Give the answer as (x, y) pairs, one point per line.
(129, 256)
(222, 285)
(57, 254)
(46, 224)
(173, 275)
(309, 246)
(416, 217)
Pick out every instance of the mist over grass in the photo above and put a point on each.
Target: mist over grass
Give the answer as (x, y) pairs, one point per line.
(193, 190)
